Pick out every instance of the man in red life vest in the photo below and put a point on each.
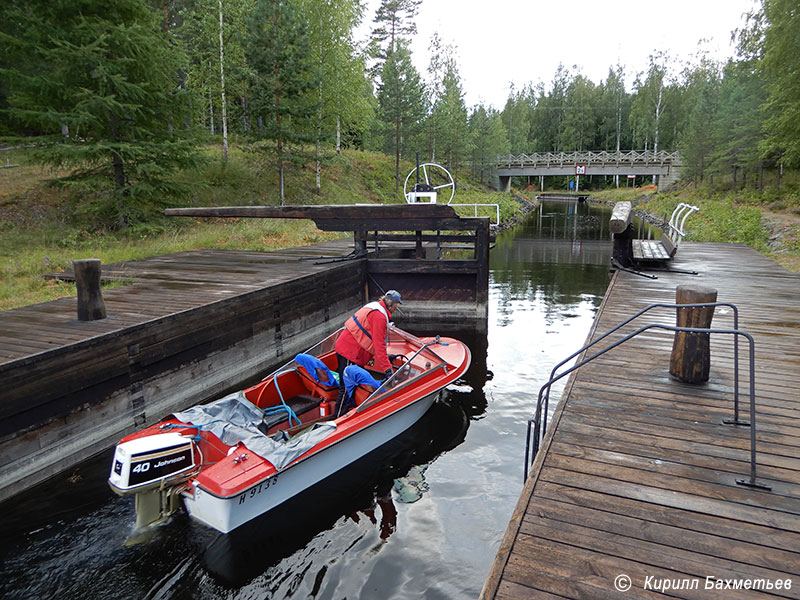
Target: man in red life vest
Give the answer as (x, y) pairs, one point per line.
(364, 338)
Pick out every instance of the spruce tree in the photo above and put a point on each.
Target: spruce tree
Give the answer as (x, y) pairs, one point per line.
(93, 85)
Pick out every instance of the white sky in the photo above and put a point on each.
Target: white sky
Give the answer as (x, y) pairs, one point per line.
(522, 41)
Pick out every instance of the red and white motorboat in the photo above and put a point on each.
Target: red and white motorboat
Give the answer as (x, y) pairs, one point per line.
(238, 457)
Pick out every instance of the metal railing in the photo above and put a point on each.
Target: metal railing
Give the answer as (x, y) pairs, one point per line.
(634, 157)
(538, 424)
(475, 206)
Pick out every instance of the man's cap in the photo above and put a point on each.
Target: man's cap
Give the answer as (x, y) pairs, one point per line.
(394, 296)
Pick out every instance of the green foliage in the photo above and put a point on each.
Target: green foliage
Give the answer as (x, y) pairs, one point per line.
(97, 88)
(781, 66)
(722, 217)
(199, 37)
(490, 139)
(454, 143)
(400, 101)
(278, 52)
(737, 126)
(394, 21)
(579, 124)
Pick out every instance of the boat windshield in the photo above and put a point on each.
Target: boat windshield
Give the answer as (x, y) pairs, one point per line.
(420, 360)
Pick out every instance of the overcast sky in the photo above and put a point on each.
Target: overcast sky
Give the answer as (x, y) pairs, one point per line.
(522, 41)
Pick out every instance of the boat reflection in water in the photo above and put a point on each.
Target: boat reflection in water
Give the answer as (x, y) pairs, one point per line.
(362, 490)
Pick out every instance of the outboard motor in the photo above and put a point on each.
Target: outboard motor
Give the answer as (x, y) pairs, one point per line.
(152, 467)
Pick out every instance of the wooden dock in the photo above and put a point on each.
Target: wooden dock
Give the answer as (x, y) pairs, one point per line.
(635, 484)
(158, 287)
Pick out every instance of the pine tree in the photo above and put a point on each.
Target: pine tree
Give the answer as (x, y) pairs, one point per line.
(400, 98)
(578, 127)
(737, 128)
(98, 88)
(283, 92)
(454, 140)
(490, 136)
(701, 101)
(394, 21)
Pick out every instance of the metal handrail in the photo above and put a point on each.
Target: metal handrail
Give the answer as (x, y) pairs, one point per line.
(636, 316)
(537, 419)
(681, 213)
(475, 205)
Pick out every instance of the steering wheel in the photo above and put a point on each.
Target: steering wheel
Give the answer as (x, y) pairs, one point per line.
(432, 175)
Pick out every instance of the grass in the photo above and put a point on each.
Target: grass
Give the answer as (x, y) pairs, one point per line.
(727, 216)
(42, 229)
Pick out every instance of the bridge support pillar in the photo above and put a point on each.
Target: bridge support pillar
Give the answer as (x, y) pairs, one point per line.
(504, 183)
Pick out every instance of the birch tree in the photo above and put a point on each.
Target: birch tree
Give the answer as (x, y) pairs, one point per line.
(342, 90)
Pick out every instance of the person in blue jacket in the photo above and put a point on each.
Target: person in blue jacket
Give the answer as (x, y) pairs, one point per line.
(353, 377)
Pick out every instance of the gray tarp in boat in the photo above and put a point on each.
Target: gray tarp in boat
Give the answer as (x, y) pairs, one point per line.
(234, 419)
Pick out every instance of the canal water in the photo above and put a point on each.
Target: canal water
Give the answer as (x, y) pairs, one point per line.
(421, 517)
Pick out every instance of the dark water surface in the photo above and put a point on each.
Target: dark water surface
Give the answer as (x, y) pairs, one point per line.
(421, 517)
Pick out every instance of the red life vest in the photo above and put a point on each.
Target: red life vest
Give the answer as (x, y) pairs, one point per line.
(358, 325)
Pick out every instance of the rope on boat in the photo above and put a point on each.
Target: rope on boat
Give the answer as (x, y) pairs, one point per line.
(286, 407)
(199, 428)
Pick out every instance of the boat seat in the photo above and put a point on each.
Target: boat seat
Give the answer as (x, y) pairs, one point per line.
(326, 392)
(300, 404)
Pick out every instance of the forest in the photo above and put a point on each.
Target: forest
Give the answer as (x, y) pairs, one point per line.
(120, 96)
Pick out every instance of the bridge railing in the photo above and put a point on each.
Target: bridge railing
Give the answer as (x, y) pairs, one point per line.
(547, 159)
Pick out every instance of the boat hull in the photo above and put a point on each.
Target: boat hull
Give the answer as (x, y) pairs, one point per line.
(227, 513)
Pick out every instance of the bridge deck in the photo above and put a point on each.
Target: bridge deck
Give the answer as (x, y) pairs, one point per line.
(637, 474)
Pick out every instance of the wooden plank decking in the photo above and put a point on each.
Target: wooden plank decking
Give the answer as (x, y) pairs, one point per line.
(637, 474)
(160, 286)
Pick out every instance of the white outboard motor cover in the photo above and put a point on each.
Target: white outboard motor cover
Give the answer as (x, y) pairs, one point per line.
(148, 460)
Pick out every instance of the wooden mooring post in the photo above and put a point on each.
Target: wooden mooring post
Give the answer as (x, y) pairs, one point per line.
(691, 352)
(91, 306)
(622, 229)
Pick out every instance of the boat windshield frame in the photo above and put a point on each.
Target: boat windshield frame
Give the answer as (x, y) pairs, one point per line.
(381, 392)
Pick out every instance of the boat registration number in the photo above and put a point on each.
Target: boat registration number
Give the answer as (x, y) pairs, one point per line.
(255, 491)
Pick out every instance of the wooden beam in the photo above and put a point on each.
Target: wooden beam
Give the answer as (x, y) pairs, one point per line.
(408, 266)
(358, 212)
(690, 360)
(90, 298)
(620, 217)
(359, 217)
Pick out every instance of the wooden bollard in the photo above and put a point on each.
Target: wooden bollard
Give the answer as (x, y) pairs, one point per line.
(622, 228)
(90, 299)
(691, 352)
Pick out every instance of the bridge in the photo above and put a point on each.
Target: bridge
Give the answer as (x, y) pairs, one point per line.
(664, 164)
